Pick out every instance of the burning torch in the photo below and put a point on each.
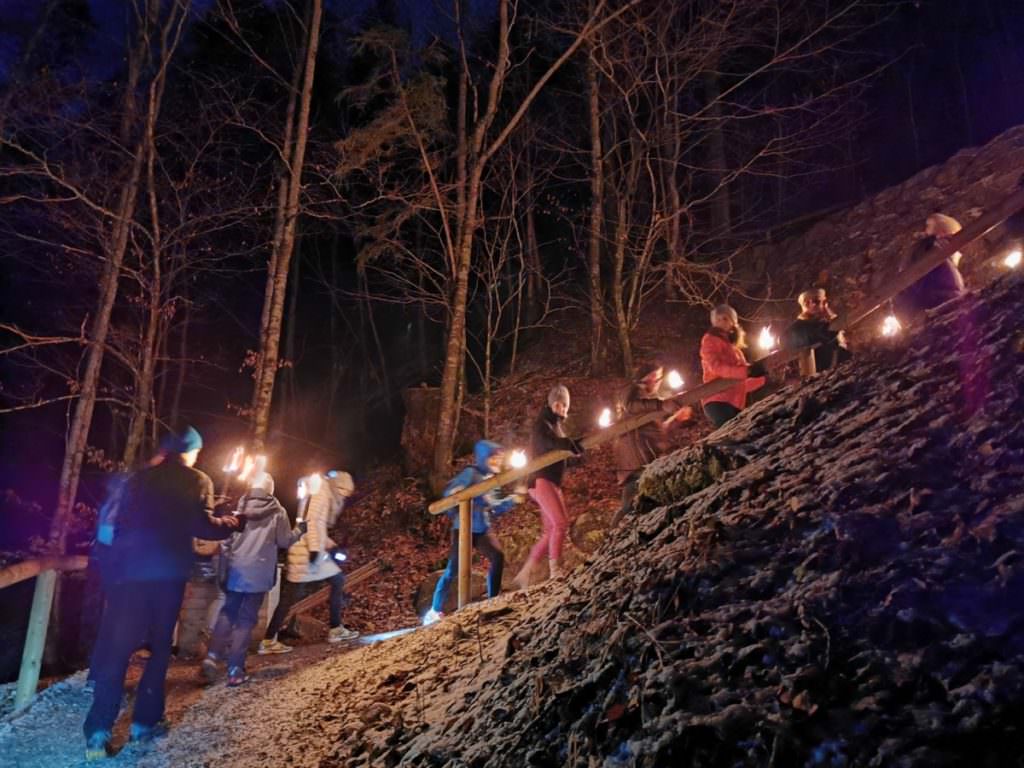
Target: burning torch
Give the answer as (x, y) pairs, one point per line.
(674, 381)
(232, 468)
(605, 419)
(766, 340)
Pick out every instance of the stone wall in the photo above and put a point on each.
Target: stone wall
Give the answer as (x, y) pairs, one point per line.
(851, 252)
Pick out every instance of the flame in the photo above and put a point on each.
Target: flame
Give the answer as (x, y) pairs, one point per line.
(891, 325)
(247, 467)
(302, 491)
(605, 419)
(1013, 259)
(235, 462)
(766, 340)
(518, 459)
(314, 482)
(675, 381)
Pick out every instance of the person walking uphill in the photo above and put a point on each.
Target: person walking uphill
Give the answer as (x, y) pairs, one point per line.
(250, 558)
(314, 559)
(941, 284)
(636, 449)
(811, 329)
(548, 434)
(163, 507)
(488, 458)
(721, 357)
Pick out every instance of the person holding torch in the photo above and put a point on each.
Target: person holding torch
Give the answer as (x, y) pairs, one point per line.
(315, 558)
(721, 357)
(811, 329)
(548, 434)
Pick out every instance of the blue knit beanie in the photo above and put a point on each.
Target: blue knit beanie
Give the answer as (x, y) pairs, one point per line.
(187, 440)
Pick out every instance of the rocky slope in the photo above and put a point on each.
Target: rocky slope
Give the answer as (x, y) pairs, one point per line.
(832, 580)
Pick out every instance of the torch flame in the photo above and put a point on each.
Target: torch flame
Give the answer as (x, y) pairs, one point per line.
(235, 462)
(605, 419)
(891, 325)
(302, 491)
(313, 482)
(517, 460)
(766, 340)
(247, 467)
(1013, 259)
(675, 381)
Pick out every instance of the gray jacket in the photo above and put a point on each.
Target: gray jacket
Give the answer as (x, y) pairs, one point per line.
(252, 554)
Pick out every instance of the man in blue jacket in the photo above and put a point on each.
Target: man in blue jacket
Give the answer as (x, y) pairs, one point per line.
(150, 556)
(488, 457)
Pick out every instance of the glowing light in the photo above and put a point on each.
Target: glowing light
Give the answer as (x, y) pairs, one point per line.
(1013, 259)
(314, 482)
(675, 381)
(517, 460)
(235, 462)
(341, 557)
(766, 340)
(302, 491)
(605, 419)
(891, 325)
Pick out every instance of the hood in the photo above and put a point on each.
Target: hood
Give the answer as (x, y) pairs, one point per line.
(482, 451)
(258, 504)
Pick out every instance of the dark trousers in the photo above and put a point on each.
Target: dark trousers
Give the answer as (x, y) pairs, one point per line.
(487, 545)
(293, 591)
(233, 630)
(719, 413)
(628, 497)
(135, 612)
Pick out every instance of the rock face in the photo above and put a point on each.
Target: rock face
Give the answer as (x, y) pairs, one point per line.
(832, 580)
(850, 252)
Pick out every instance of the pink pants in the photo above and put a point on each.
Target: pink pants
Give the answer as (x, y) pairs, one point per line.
(554, 519)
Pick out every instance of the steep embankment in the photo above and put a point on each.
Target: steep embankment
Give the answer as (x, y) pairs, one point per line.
(834, 579)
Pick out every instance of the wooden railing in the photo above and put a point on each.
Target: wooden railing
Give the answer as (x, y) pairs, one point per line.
(45, 571)
(890, 290)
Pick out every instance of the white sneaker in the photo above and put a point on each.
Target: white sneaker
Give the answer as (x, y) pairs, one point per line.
(340, 634)
(273, 646)
(431, 617)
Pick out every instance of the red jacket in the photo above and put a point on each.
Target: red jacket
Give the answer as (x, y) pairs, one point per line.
(720, 359)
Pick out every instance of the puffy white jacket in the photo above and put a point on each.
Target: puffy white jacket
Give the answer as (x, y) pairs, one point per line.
(321, 514)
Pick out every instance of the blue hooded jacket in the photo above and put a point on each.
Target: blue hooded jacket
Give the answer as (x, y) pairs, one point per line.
(490, 503)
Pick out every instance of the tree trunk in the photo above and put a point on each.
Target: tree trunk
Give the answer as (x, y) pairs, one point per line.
(271, 335)
(721, 219)
(596, 221)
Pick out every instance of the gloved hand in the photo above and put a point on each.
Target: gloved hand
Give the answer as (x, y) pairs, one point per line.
(577, 446)
(243, 520)
(313, 555)
(757, 369)
(302, 525)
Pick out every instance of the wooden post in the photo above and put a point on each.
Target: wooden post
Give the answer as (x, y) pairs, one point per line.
(35, 640)
(808, 365)
(465, 550)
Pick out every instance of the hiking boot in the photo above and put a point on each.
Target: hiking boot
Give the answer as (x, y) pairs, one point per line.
(268, 647)
(236, 677)
(97, 746)
(208, 669)
(340, 634)
(432, 617)
(142, 733)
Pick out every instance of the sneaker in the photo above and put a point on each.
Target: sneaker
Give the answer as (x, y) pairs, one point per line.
(97, 746)
(236, 677)
(139, 732)
(431, 617)
(273, 646)
(340, 634)
(208, 669)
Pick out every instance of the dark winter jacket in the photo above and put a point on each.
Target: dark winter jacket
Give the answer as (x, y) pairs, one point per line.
(251, 555)
(937, 287)
(549, 435)
(636, 449)
(164, 507)
(491, 503)
(806, 332)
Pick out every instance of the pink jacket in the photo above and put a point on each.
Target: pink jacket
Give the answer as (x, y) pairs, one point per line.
(720, 359)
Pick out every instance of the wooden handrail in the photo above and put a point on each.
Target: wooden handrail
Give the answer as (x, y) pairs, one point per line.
(308, 603)
(28, 569)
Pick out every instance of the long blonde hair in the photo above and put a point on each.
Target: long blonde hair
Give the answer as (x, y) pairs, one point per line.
(724, 310)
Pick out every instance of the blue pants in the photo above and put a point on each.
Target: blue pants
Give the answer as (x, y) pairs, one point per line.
(134, 613)
(488, 546)
(233, 630)
(292, 592)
